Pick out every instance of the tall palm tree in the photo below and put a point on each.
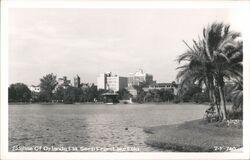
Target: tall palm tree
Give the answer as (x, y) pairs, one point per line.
(197, 70)
(224, 52)
(216, 57)
(237, 95)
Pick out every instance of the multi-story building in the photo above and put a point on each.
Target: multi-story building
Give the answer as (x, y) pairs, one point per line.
(158, 86)
(139, 78)
(77, 82)
(102, 80)
(107, 81)
(116, 83)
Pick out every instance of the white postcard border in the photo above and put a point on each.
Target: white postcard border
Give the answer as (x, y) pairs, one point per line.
(243, 7)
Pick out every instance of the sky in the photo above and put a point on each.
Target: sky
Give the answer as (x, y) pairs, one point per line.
(88, 42)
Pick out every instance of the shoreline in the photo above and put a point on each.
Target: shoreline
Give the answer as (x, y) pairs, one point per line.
(51, 103)
(195, 136)
(77, 103)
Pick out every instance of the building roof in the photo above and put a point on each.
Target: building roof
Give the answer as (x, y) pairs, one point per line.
(139, 73)
(110, 94)
(35, 86)
(163, 85)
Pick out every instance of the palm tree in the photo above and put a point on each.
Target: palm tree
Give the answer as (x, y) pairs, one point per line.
(197, 70)
(224, 52)
(237, 95)
(215, 58)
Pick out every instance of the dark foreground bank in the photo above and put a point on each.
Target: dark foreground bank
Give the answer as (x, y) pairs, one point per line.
(196, 136)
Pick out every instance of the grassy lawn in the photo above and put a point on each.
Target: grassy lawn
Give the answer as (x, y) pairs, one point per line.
(195, 136)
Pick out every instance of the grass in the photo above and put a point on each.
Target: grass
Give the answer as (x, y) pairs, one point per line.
(195, 136)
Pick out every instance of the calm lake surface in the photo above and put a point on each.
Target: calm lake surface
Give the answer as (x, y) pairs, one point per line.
(93, 125)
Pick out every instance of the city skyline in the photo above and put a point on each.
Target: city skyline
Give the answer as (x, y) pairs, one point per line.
(72, 80)
(89, 42)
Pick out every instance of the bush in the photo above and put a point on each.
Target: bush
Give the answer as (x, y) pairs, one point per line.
(177, 100)
(235, 114)
(231, 124)
(200, 97)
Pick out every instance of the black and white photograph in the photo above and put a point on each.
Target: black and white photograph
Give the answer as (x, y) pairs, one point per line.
(125, 80)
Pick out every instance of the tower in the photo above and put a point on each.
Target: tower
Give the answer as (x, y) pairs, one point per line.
(77, 82)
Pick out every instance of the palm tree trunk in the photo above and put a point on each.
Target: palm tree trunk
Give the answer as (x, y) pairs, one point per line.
(223, 102)
(213, 99)
(216, 101)
(218, 109)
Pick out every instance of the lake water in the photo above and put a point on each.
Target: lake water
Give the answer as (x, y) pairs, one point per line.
(92, 125)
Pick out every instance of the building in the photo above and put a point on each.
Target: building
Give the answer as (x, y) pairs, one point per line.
(161, 86)
(110, 98)
(85, 86)
(64, 82)
(115, 83)
(77, 82)
(102, 80)
(34, 88)
(107, 81)
(158, 86)
(139, 78)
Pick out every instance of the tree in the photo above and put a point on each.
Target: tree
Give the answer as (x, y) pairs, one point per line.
(190, 92)
(237, 95)
(197, 72)
(89, 94)
(154, 95)
(211, 60)
(59, 94)
(124, 94)
(167, 95)
(99, 96)
(200, 97)
(69, 95)
(224, 52)
(149, 97)
(140, 98)
(19, 92)
(12, 93)
(48, 84)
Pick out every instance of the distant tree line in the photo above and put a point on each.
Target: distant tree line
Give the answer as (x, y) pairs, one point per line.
(154, 95)
(51, 91)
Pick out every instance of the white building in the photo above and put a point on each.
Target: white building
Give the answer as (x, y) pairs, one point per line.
(102, 80)
(159, 86)
(107, 81)
(77, 81)
(140, 77)
(34, 88)
(115, 83)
